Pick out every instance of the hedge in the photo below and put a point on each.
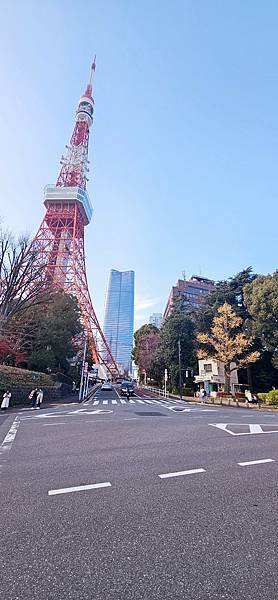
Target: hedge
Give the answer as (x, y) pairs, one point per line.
(270, 398)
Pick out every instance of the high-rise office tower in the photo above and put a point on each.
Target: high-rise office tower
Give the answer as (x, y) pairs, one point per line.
(119, 316)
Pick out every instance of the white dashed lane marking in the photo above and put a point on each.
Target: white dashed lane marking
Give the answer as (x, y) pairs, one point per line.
(79, 488)
(179, 473)
(256, 462)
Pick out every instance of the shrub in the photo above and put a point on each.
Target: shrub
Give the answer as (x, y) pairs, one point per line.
(10, 376)
(270, 398)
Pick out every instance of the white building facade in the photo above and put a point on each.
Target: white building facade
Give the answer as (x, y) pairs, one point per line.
(212, 376)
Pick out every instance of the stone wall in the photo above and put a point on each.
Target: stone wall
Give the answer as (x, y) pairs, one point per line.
(20, 393)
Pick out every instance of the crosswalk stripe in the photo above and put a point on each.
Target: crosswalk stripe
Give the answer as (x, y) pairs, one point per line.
(136, 400)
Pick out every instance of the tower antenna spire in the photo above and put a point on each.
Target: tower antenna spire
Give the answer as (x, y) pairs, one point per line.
(89, 89)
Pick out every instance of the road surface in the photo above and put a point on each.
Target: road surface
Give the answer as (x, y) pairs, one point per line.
(153, 500)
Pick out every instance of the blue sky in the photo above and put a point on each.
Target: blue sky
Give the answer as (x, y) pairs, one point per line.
(184, 147)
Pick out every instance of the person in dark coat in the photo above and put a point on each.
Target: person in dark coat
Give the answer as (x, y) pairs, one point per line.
(33, 396)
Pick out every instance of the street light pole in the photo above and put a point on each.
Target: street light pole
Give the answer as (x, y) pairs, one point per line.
(83, 368)
(179, 349)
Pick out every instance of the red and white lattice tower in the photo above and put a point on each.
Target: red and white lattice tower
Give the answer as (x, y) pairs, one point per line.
(60, 238)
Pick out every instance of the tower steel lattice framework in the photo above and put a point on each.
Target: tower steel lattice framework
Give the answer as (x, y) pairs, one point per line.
(60, 238)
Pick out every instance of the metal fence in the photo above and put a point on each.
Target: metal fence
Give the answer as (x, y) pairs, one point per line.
(154, 390)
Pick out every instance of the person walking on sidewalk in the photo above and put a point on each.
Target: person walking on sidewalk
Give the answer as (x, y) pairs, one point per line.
(39, 397)
(6, 400)
(33, 396)
(203, 394)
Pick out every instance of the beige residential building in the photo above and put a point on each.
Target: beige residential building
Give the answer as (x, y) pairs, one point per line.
(212, 376)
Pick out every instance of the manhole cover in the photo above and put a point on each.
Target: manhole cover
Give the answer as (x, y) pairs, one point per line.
(150, 414)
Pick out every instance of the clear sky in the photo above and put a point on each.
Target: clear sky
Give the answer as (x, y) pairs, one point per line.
(184, 147)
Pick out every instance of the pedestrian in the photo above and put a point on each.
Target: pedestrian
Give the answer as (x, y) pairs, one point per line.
(6, 400)
(203, 394)
(127, 394)
(33, 396)
(39, 397)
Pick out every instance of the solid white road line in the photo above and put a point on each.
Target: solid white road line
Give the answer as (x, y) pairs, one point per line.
(178, 473)
(256, 462)
(9, 439)
(79, 488)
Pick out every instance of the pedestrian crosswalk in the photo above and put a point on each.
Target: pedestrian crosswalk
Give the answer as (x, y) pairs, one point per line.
(134, 400)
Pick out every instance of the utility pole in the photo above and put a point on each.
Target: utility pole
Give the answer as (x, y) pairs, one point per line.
(179, 350)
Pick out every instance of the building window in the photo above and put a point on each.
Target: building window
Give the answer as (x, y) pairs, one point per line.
(208, 368)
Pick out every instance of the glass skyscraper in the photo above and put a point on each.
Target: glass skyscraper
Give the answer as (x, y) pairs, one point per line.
(119, 316)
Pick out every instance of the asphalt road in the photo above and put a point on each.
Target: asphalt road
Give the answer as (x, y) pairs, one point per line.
(175, 517)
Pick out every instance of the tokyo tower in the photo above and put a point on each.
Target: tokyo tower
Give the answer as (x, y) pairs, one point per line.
(60, 238)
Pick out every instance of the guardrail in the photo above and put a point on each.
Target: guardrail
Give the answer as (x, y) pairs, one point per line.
(161, 393)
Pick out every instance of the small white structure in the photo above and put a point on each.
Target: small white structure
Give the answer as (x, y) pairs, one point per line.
(156, 320)
(212, 376)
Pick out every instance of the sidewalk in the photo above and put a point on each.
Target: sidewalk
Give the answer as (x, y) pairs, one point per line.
(67, 400)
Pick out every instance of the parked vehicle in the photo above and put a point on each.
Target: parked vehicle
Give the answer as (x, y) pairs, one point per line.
(127, 387)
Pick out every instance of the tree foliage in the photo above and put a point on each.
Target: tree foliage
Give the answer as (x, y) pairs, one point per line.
(138, 336)
(178, 327)
(227, 343)
(230, 291)
(261, 298)
(55, 326)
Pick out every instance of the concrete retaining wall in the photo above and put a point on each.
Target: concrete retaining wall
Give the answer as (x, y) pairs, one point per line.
(20, 393)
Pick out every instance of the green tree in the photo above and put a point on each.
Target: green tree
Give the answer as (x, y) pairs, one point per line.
(231, 291)
(227, 343)
(261, 298)
(54, 326)
(178, 327)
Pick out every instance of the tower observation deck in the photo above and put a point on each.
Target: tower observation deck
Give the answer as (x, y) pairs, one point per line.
(60, 238)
